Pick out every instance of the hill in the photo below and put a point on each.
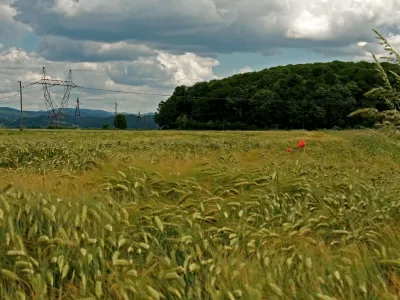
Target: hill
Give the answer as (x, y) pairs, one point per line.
(10, 118)
(310, 96)
(11, 114)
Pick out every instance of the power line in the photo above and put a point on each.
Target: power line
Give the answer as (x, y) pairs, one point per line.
(9, 91)
(83, 70)
(24, 86)
(6, 102)
(153, 94)
(32, 91)
(177, 96)
(124, 92)
(169, 95)
(78, 94)
(15, 94)
(8, 96)
(195, 97)
(13, 90)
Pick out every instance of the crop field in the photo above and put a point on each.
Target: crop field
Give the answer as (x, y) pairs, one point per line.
(199, 215)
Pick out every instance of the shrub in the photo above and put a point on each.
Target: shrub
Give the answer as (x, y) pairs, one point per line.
(106, 126)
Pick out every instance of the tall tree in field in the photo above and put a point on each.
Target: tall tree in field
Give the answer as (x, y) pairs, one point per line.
(120, 122)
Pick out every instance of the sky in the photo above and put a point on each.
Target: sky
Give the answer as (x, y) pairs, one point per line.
(152, 46)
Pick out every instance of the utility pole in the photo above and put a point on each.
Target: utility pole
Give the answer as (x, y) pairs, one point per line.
(80, 118)
(78, 113)
(116, 113)
(20, 94)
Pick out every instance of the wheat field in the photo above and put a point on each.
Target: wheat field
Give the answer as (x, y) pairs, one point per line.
(199, 215)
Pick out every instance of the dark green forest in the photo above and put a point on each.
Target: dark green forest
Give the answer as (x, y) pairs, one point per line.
(310, 96)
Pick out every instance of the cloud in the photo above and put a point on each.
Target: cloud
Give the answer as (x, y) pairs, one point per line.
(150, 46)
(310, 26)
(212, 26)
(361, 44)
(365, 52)
(188, 68)
(165, 70)
(10, 29)
(156, 75)
(245, 69)
(64, 49)
(360, 51)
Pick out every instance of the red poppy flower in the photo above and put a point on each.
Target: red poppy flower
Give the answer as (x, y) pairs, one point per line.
(289, 150)
(301, 144)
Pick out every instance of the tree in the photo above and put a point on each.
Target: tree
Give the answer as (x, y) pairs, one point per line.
(120, 122)
(106, 126)
(309, 96)
(167, 113)
(265, 109)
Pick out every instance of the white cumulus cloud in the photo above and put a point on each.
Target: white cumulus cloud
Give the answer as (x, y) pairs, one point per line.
(152, 75)
(10, 29)
(361, 44)
(245, 69)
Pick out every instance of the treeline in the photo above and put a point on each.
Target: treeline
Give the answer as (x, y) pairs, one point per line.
(310, 96)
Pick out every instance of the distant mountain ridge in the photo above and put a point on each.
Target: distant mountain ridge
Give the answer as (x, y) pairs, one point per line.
(10, 118)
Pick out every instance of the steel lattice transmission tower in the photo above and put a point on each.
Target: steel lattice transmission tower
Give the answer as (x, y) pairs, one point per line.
(54, 111)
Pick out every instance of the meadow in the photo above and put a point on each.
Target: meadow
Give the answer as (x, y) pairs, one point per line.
(199, 215)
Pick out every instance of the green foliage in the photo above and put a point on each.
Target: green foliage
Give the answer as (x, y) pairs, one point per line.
(182, 122)
(384, 119)
(310, 96)
(120, 121)
(55, 127)
(106, 126)
(388, 92)
(250, 221)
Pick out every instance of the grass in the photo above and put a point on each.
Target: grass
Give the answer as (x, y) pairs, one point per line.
(199, 215)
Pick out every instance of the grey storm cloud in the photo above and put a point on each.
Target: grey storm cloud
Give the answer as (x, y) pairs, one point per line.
(65, 49)
(10, 30)
(211, 26)
(137, 74)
